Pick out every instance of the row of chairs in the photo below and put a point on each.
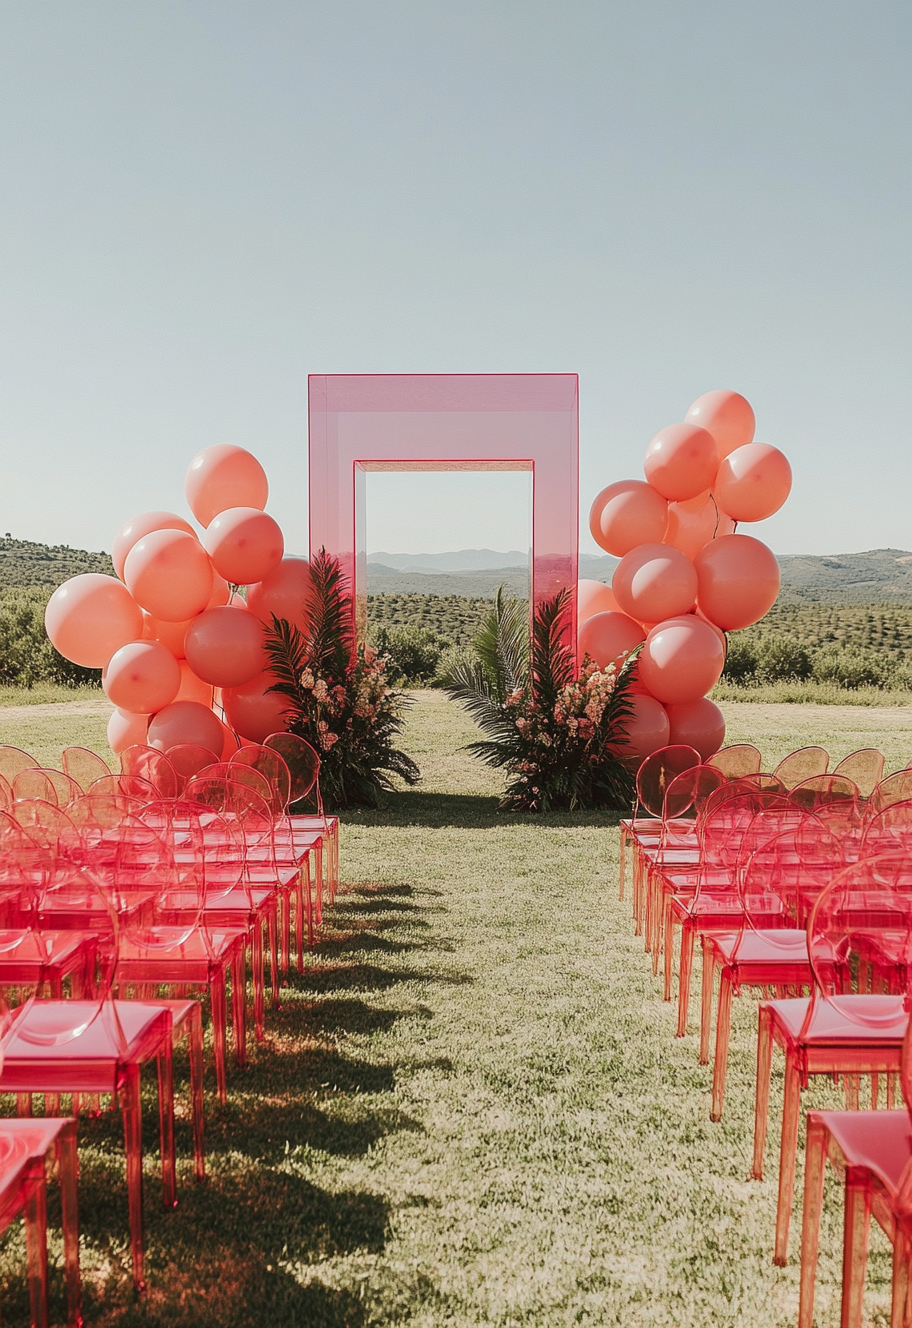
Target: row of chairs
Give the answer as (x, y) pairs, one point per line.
(792, 887)
(114, 887)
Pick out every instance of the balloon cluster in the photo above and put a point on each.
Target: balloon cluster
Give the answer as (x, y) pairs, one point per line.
(685, 577)
(181, 651)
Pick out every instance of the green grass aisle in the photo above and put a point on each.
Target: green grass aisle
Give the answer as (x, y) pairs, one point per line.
(470, 1110)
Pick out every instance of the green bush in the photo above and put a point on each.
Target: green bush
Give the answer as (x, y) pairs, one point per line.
(413, 653)
(26, 655)
(851, 668)
(741, 661)
(783, 660)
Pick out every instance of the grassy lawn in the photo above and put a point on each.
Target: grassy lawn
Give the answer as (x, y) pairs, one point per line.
(471, 1108)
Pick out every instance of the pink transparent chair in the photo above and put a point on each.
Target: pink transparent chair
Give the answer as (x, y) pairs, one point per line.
(654, 775)
(895, 788)
(187, 760)
(871, 1153)
(737, 760)
(801, 765)
(303, 764)
(48, 785)
(153, 766)
(237, 774)
(839, 1029)
(12, 760)
(127, 786)
(83, 765)
(865, 769)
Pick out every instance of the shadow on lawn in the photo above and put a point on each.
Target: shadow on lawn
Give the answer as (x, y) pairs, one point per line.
(466, 811)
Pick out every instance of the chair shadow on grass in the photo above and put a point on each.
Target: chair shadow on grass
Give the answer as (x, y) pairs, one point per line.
(465, 811)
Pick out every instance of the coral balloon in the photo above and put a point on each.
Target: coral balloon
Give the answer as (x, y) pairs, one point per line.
(224, 476)
(144, 524)
(727, 416)
(627, 514)
(654, 582)
(253, 711)
(609, 637)
(681, 461)
(169, 573)
(753, 482)
(142, 677)
(738, 581)
(245, 544)
(89, 617)
(126, 730)
(193, 688)
(285, 593)
(645, 730)
(221, 591)
(171, 634)
(682, 659)
(594, 597)
(185, 722)
(698, 724)
(692, 523)
(225, 646)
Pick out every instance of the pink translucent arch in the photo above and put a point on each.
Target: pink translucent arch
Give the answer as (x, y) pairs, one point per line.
(364, 422)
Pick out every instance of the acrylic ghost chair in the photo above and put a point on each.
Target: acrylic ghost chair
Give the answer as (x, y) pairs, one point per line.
(654, 775)
(83, 765)
(303, 764)
(14, 759)
(865, 769)
(802, 764)
(48, 785)
(895, 788)
(739, 759)
(871, 1153)
(150, 764)
(187, 760)
(837, 1030)
(127, 786)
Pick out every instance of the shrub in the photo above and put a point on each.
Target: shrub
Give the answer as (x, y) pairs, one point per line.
(783, 660)
(412, 653)
(741, 661)
(851, 668)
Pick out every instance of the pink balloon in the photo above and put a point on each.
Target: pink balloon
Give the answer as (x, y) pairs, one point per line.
(681, 461)
(185, 722)
(89, 617)
(753, 482)
(142, 677)
(170, 634)
(285, 593)
(141, 525)
(225, 646)
(698, 724)
(224, 476)
(693, 522)
(221, 591)
(681, 660)
(609, 637)
(727, 416)
(126, 730)
(193, 688)
(245, 544)
(646, 730)
(253, 711)
(626, 514)
(594, 597)
(655, 582)
(738, 581)
(169, 574)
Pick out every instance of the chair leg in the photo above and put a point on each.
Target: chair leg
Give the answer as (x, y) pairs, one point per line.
(166, 1123)
(852, 1091)
(723, 1030)
(669, 950)
(788, 1154)
(259, 981)
(67, 1166)
(900, 1288)
(761, 1099)
(132, 1114)
(239, 1003)
(195, 1038)
(272, 929)
(623, 861)
(219, 1030)
(814, 1167)
(855, 1245)
(706, 995)
(686, 963)
(36, 1249)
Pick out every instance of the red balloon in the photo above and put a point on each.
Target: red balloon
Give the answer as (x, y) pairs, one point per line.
(692, 523)
(727, 416)
(753, 482)
(609, 637)
(626, 514)
(144, 524)
(89, 617)
(193, 688)
(142, 677)
(594, 597)
(185, 722)
(682, 659)
(645, 730)
(171, 634)
(126, 730)
(681, 461)
(698, 724)
(655, 582)
(224, 476)
(253, 711)
(245, 544)
(285, 593)
(225, 646)
(169, 574)
(738, 581)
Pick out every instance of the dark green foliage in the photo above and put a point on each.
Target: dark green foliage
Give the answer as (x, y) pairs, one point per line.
(453, 619)
(412, 653)
(26, 655)
(848, 647)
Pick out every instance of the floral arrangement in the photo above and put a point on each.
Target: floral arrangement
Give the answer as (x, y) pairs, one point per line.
(340, 701)
(555, 731)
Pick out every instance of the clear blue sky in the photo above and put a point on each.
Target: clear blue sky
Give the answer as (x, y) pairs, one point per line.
(202, 202)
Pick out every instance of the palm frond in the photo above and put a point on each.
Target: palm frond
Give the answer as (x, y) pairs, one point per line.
(331, 628)
(502, 645)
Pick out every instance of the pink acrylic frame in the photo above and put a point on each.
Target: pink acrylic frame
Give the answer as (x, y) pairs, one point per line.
(365, 422)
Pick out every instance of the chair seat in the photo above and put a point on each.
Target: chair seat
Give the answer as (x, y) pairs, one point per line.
(117, 1034)
(881, 1141)
(765, 946)
(832, 1023)
(185, 959)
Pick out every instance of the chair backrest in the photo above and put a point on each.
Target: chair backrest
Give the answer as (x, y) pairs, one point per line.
(303, 764)
(14, 759)
(793, 865)
(723, 829)
(825, 790)
(865, 769)
(50, 827)
(658, 770)
(801, 765)
(84, 766)
(34, 783)
(187, 760)
(268, 763)
(889, 830)
(127, 786)
(895, 788)
(687, 793)
(740, 759)
(153, 766)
